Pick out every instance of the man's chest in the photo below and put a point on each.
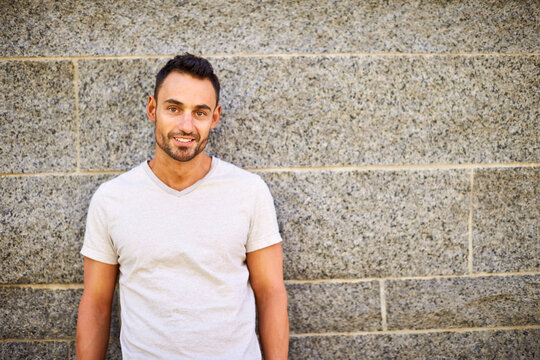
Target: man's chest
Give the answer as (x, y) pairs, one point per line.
(203, 230)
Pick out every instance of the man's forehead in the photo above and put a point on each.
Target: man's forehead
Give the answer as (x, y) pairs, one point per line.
(183, 85)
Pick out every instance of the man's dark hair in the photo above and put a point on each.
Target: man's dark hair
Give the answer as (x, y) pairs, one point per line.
(195, 66)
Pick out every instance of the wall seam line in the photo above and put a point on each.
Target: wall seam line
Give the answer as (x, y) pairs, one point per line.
(260, 55)
(54, 286)
(419, 331)
(393, 167)
(45, 286)
(317, 168)
(405, 278)
(68, 340)
(470, 224)
(383, 305)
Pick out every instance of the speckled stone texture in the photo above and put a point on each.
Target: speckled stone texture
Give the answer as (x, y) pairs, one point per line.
(506, 219)
(503, 345)
(344, 110)
(29, 313)
(330, 307)
(34, 350)
(115, 131)
(135, 27)
(358, 110)
(354, 224)
(463, 302)
(37, 116)
(38, 313)
(42, 222)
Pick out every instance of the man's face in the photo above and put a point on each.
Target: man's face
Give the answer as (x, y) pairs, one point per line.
(184, 113)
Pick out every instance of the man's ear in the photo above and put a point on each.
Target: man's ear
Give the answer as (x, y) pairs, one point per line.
(151, 108)
(215, 116)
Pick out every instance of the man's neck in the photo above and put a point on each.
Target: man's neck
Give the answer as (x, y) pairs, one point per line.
(180, 175)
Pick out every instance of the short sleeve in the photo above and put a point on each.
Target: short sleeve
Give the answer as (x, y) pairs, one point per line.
(97, 241)
(264, 230)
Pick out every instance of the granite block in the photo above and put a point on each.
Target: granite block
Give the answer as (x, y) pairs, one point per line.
(500, 344)
(463, 302)
(354, 224)
(37, 116)
(363, 110)
(328, 307)
(115, 131)
(132, 27)
(41, 227)
(328, 110)
(39, 313)
(34, 350)
(114, 352)
(506, 218)
(29, 313)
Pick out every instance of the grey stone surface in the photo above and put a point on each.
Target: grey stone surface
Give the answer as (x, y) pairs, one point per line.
(354, 224)
(37, 116)
(506, 220)
(29, 313)
(42, 222)
(358, 110)
(114, 352)
(503, 345)
(328, 307)
(327, 110)
(463, 302)
(134, 27)
(38, 313)
(115, 131)
(34, 350)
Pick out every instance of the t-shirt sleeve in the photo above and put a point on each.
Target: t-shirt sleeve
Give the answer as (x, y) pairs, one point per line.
(97, 241)
(264, 230)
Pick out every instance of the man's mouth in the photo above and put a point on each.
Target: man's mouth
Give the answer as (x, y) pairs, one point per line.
(183, 140)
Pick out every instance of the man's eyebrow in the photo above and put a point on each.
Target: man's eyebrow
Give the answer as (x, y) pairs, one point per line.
(173, 101)
(179, 103)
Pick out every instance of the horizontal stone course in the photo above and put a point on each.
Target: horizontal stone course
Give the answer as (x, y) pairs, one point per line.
(463, 302)
(34, 350)
(42, 222)
(29, 313)
(329, 307)
(356, 224)
(499, 344)
(329, 110)
(363, 110)
(37, 116)
(49, 28)
(38, 313)
(506, 220)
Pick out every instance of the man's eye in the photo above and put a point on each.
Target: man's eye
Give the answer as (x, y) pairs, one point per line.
(172, 109)
(200, 114)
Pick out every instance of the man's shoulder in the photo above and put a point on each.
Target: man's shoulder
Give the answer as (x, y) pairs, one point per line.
(227, 170)
(129, 179)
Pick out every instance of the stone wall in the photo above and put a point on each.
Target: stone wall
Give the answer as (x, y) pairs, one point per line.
(400, 141)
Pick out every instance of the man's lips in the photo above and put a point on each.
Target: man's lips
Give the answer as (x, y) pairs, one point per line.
(183, 140)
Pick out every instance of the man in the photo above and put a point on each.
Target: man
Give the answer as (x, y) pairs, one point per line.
(194, 240)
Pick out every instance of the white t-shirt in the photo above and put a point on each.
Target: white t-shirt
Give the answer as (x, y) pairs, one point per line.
(184, 284)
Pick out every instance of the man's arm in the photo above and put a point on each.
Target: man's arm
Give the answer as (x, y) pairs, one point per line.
(94, 319)
(266, 277)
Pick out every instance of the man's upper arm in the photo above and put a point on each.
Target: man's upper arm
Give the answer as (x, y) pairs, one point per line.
(99, 281)
(266, 269)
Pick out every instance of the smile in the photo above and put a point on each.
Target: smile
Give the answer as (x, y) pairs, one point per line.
(183, 140)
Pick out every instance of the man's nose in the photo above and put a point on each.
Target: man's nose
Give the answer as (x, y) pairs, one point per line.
(186, 122)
